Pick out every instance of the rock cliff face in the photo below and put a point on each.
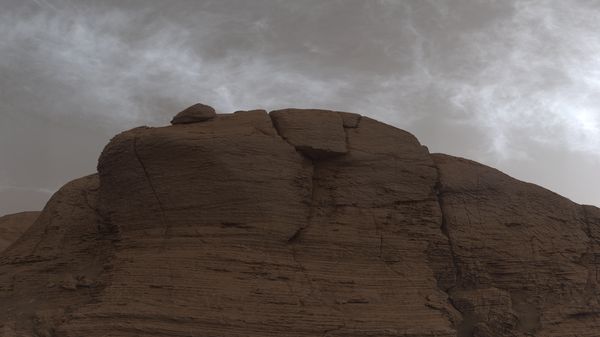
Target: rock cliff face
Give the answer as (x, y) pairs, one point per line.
(299, 223)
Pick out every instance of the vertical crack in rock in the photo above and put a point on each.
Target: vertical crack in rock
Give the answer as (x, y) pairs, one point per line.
(444, 227)
(345, 127)
(350, 120)
(296, 237)
(294, 240)
(153, 191)
(446, 232)
(279, 132)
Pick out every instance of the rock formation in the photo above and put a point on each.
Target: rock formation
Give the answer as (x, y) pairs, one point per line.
(13, 225)
(299, 223)
(196, 113)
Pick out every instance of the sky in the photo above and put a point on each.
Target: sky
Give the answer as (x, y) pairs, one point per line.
(511, 84)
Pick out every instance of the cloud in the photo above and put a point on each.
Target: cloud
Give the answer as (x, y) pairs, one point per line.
(534, 77)
(528, 75)
(117, 67)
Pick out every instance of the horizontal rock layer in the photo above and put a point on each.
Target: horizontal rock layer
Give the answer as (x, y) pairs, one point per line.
(299, 223)
(13, 225)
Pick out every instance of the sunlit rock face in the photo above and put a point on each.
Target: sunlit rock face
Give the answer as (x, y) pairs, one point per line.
(299, 223)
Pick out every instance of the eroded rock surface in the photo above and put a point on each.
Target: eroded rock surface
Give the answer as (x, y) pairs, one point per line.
(194, 114)
(315, 133)
(13, 225)
(520, 251)
(68, 240)
(299, 223)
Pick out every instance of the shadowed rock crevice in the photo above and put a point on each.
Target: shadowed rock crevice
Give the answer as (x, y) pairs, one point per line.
(446, 278)
(296, 238)
(350, 120)
(308, 165)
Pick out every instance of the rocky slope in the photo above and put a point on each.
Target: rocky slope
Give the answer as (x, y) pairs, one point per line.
(13, 225)
(299, 223)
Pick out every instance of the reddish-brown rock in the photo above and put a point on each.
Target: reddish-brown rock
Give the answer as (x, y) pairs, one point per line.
(315, 133)
(13, 225)
(196, 113)
(68, 240)
(524, 256)
(299, 223)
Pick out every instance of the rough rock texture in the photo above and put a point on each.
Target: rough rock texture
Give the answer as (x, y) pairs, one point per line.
(196, 113)
(526, 258)
(315, 133)
(299, 223)
(13, 225)
(68, 241)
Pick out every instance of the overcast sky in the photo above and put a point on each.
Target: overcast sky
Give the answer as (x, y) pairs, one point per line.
(511, 84)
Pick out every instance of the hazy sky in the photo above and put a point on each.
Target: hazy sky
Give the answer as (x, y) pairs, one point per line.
(512, 84)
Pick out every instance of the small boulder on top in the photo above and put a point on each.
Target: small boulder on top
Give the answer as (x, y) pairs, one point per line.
(196, 113)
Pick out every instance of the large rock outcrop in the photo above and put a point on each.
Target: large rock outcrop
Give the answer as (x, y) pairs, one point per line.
(299, 223)
(526, 258)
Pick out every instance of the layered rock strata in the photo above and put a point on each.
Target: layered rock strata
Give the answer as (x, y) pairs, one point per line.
(299, 223)
(13, 225)
(526, 258)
